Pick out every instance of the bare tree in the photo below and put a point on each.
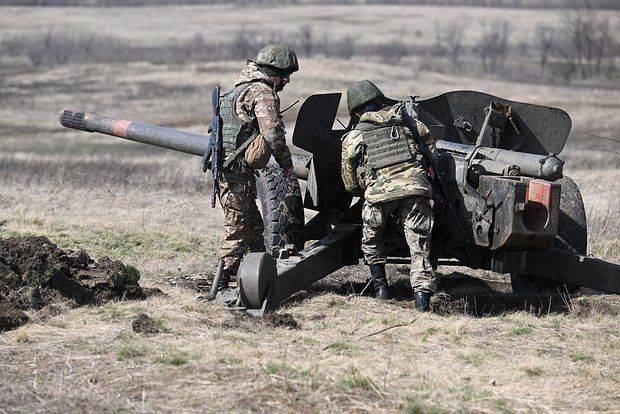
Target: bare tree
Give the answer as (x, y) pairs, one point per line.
(545, 38)
(588, 43)
(342, 48)
(393, 51)
(492, 48)
(306, 40)
(242, 46)
(449, 43)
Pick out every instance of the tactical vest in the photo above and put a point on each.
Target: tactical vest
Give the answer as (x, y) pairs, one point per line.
(386, 145)
(235, 131)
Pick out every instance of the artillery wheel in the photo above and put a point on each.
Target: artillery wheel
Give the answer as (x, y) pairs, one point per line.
(282, 208)
(256, 275)
(572, 236)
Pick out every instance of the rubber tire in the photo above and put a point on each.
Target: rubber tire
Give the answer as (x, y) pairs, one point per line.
(282, 208)
(572, 236)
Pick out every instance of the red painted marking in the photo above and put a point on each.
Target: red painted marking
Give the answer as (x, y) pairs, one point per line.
(539, 192)
(119, 128)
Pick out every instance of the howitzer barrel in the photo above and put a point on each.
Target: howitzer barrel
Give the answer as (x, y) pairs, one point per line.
(548, 167)
(154, 135)
(134, 131)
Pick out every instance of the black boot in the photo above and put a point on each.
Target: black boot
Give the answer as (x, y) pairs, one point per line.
(422, 301)
(224, 281)
(379, 281)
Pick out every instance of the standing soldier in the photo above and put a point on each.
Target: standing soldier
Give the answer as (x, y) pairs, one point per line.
(250, 112)
(381, 163)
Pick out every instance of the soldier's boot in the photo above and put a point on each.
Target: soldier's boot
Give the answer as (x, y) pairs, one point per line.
(422, 301)
(224, 281)
(379, 281)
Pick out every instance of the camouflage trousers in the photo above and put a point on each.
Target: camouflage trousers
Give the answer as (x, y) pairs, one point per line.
(243, 224)
(415, 214)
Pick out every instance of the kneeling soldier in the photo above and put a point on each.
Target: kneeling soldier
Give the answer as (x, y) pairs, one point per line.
(381, 163)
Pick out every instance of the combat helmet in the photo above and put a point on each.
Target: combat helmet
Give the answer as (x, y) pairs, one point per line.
(363, 93)
(279, 57)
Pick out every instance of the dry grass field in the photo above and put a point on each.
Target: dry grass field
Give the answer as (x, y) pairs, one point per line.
(149, 208)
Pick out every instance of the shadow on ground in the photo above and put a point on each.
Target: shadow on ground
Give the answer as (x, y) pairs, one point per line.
(461, 294)
(458, 294)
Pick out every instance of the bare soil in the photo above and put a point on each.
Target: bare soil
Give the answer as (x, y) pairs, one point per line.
(36, 274)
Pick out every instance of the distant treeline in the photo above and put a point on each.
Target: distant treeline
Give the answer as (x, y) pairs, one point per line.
(543, 4)
(584, 47)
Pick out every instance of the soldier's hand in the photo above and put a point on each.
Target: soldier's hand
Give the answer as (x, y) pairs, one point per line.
(288, 172)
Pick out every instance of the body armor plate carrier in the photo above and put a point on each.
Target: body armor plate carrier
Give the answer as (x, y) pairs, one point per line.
(386, 145)
(234, 130)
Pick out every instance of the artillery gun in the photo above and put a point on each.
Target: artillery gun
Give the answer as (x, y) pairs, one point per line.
(503, 203)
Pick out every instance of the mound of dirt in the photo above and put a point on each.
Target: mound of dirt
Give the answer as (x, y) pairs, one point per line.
(11, 317)
(245, 322)
(35, 273)
(144, 324)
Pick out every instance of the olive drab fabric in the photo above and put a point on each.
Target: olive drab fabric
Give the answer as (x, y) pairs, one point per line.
(363, 93)
(235, 131)
(386, 145)
(416, 216)
(278, 56)
(389, 183)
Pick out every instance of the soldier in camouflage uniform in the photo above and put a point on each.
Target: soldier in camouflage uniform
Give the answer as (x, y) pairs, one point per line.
(251, 108)
(380, 163)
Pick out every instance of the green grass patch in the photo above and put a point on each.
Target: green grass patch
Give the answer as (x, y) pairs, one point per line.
(116, 243)
(272, 367)
(471, 359)
(417, 406)
(175, 358)
(338, 303)
(112, 311)
(318, 326)
(342, 348)
(579, 357)
(431, 330)
(522, 330)
(228, 360)
(129, 351)
(501, 406)
(355, 379)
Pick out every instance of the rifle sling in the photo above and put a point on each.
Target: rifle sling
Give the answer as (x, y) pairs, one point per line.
(232, 157)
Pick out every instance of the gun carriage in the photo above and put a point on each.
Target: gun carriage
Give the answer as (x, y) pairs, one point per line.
(502, 202)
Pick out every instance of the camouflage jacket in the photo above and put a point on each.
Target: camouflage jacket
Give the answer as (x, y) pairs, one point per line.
(389, 183)
(260, 101)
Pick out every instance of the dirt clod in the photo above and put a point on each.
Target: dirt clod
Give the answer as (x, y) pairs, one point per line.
(245, 322)
(36, 274)
(11, 317)
(281, 320)
(144, 324)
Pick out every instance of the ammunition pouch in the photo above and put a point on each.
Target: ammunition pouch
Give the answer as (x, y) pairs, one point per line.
(258, 153)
